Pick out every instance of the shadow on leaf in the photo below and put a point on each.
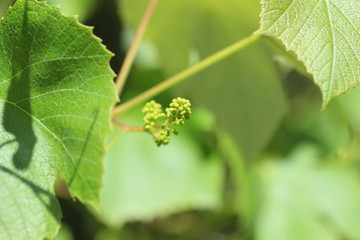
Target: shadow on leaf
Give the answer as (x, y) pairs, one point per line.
(17, 117)
(80, 158)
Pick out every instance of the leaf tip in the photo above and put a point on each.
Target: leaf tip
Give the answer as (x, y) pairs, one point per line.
(326, 98)
(323, 106)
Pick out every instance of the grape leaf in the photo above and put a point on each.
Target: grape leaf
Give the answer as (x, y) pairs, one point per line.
(56, 92)
(156, 182)
(249, 103)
(324, 34)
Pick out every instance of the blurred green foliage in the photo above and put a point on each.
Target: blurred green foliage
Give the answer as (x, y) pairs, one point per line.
(143, 181)
(195, 29)
(83, 8)
(306, 197)
(4, 4)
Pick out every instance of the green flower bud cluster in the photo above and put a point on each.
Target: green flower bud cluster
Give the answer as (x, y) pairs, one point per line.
(176, 114)
(153, 112)
(179, 111)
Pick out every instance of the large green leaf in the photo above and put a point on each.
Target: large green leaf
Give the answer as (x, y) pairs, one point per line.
(143, 181)
(56, 92)
(324, 34)
(249, 102)
(305, 197)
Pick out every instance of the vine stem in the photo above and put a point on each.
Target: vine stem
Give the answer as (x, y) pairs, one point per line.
(127, 128)
(185, 74)
(130, 56)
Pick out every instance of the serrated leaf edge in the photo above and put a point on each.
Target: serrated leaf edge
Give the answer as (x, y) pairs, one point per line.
(94, 204)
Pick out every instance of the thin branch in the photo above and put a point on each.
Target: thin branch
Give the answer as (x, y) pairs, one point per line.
(226, 52)
(129, 59)
(127, 128)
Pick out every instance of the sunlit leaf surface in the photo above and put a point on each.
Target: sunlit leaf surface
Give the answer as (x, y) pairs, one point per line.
(325, 36)
(56, 91)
